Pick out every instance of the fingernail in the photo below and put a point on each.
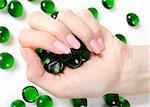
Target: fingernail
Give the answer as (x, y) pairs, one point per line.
(24, 55)
(101, 43)
(73, 41)
(95, 46)
(62, 47)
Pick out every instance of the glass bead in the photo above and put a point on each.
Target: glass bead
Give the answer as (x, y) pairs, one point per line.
(94, 12)
(4, 34)
(3, 4)
(121, 38)
(44, 101)
(15, 8)
(65, 57)
(54, 15)
(30, 94)
(41, 53)
(75, 61)
(82, 102)
(132, 19)
(53, 65)
(124, 103)
(48, 6)
(111, 99)
(6, 60)
(18, 103)
(109, 4)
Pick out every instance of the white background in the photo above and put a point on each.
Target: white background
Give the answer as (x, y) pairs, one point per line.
(13, 81)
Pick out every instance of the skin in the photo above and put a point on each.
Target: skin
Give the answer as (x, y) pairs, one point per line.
(116, 68)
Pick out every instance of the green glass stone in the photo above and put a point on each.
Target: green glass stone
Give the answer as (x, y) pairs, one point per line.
(65, 57)
(32, 0)
(81, 102)
(132, 19)
(54, 15)
(4, 34)
(41, 53)
(94, 12)
(75, 61)
(124, 103)
(30, 94)
(109, 4)
(3, 4)
(15, 8)
(6, 60)
(112, 99)
(48, 6)
(121, 38)
(44, 101)
(18, 103)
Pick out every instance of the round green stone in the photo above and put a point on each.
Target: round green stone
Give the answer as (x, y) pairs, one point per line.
(48, 6)
(54, 15)
(124, 103)
(122, 38)
(15, 8)
(84, 54)
(94, 12)
(30, 94)
(3, 4)
(132, 19)
(6, 60)
(18, 103)
(82, 102)
(4, 34)
(111, 99)
(44, 101)
(109, 4)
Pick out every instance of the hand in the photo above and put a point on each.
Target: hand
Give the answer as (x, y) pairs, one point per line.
(101, 73)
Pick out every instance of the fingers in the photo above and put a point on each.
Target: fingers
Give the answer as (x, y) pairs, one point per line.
(43, 22)
(97, 29)
(38, 39)
(80, 29)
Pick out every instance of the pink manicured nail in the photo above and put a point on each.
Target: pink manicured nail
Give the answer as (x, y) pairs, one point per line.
(95, 46)
(62, 47)
(73, 41)
(101, 43)
(24, 55)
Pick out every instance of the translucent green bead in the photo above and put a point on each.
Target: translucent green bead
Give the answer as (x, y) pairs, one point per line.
(44, 101)
(4, 34)
(121, 38)
(132, 19)
(48, 6)
(15, 8)
(30, 94)
(54, 15)
(18, 103)
(94, 12)
(109, 4)
(124, 103)
(82, 102)
(112, 99)
(3, 4)
(6, 60)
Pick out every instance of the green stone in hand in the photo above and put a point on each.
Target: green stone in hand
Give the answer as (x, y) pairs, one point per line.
(4, 34)
(94, 12)
(112, 99)
(6, 60)
(18, 103)
(121, 38)
(30, 94)
(124, 103)
(132, 19)
(3, 4)
(44, 101)
(15, 8)
(48, 6)
(82, 102)
(109, 4)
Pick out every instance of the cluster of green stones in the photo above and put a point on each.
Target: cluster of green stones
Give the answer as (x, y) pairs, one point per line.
(31, 95)
(114, 100)
(15, 8)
